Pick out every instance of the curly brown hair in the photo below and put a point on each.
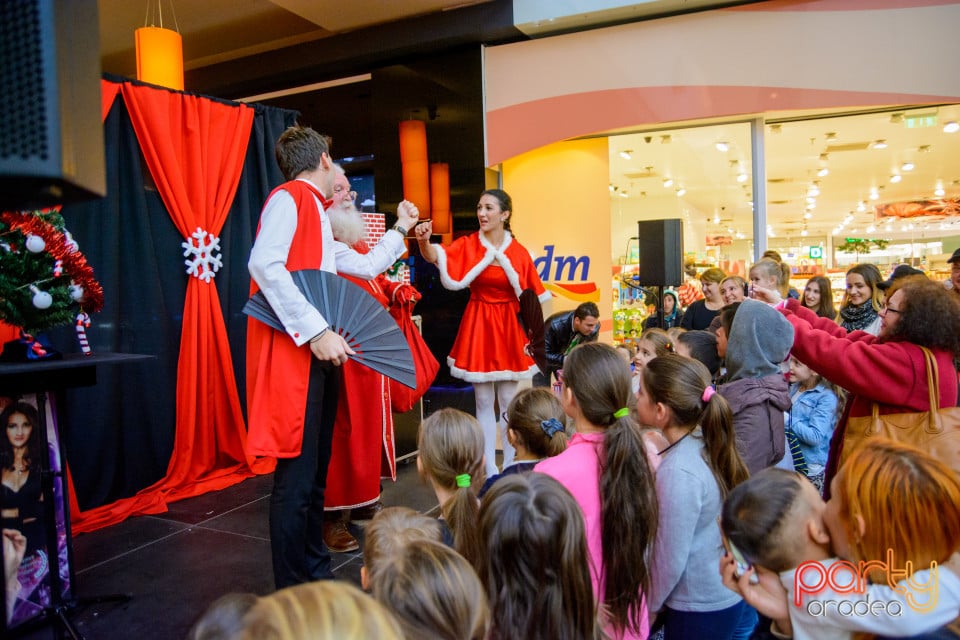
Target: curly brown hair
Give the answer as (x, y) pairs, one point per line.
(929, 315)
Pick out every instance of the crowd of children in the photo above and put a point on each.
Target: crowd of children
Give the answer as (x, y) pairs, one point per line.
(643, 502)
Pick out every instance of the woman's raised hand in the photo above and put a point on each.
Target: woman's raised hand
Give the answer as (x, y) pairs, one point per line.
(424, 230)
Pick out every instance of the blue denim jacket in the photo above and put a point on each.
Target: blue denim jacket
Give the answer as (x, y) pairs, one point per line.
(812, 419)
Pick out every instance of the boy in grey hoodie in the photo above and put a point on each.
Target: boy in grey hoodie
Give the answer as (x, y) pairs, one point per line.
(756, 388)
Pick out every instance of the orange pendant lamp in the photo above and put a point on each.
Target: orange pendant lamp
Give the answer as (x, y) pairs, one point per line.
(160, 50)
(160, 57)
(414, 164)
(440, 197)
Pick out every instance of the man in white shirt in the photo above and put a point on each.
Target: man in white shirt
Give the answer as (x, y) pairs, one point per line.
(293, 376)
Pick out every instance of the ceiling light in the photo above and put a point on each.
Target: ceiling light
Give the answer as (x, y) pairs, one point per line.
(723, 146)
(951, 127)
(823, 172)
(811, 206)
(895, 178)
(889, 227)
(803, 232)
(813, 191)
(807, 215)
(681, 192)
(668, 183)
(611, 188)
(729, 229)
(896, 118)
(811, 200)
(623, 194)
(716, 218)
(861, 207)
(665, 139)
(775, 128)
(870, 229)
(924, 148)
(874, 195)
(626, 154)
(907, 166)
(879, 144)
(939, 192)
(770, 233)
(742, 177)
(830, 135)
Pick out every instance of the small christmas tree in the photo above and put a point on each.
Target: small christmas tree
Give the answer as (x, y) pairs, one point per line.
(45, 281)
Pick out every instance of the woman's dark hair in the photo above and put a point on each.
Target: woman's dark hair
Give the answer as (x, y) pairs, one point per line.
(506, 204)
(534, 561)
(600, 381)
(754, 515)
(679, 383)
(929, 315)
(450, 444)
(526, 415)
(825, 309)
(32, 457)
(703, 347)
(872, 276)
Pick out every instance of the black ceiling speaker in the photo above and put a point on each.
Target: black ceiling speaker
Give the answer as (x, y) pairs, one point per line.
(661, 253)
(51, 134)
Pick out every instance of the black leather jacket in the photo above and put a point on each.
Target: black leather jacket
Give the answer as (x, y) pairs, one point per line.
(557, 337)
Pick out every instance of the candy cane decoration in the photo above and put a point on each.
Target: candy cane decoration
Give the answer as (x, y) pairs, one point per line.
(83, 321)
(58, 268)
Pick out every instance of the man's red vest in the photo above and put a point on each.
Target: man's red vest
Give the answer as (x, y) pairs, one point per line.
(277, 369)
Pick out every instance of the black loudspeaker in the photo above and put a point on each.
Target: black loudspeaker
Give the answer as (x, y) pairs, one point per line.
(51, 135)
(661, 253)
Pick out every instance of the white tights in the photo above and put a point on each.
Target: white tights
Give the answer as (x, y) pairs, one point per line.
(485, 393)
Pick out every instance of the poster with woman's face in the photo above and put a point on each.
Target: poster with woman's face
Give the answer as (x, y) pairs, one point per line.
(25, 455)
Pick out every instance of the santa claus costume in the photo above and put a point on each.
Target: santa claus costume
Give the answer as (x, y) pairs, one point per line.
(363, 439)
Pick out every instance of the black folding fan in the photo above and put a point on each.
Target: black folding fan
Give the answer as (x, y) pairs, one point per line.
(354, 314)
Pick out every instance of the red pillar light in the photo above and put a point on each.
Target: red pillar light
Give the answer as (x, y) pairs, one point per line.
(414, 164)
(440, 197)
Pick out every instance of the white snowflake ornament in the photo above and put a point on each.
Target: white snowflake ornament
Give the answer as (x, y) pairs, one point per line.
(199, 250)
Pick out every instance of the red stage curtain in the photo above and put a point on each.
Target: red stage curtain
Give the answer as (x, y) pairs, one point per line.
(195, 149)
(108, 93)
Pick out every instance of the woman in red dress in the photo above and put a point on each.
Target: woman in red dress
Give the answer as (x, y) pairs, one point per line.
(489, 349)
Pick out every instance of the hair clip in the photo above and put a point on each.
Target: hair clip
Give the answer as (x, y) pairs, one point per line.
(551, 426)
(708, 393)
(621, 413)
(463, 480)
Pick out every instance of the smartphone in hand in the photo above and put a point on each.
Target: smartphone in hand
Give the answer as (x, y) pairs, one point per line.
(742, 565)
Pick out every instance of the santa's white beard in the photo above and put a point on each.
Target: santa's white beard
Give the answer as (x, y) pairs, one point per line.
(347, 224)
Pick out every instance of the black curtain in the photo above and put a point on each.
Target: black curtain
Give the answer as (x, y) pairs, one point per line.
(119, 434)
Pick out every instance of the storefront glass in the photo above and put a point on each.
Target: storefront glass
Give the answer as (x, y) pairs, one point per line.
(880, 186)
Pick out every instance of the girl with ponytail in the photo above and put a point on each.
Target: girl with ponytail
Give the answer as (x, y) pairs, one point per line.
(606, 470)
(450, 458)
(699, 467)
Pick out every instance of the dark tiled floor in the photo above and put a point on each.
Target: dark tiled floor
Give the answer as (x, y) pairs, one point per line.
(175, 564)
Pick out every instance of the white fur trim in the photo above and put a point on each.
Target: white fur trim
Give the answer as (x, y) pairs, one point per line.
(543, 297)
(492, 254)
(490, 376)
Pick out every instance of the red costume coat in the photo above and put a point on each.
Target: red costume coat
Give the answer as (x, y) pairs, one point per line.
(489, 344)
(363, 441)
(893, 374)
(277, 369)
